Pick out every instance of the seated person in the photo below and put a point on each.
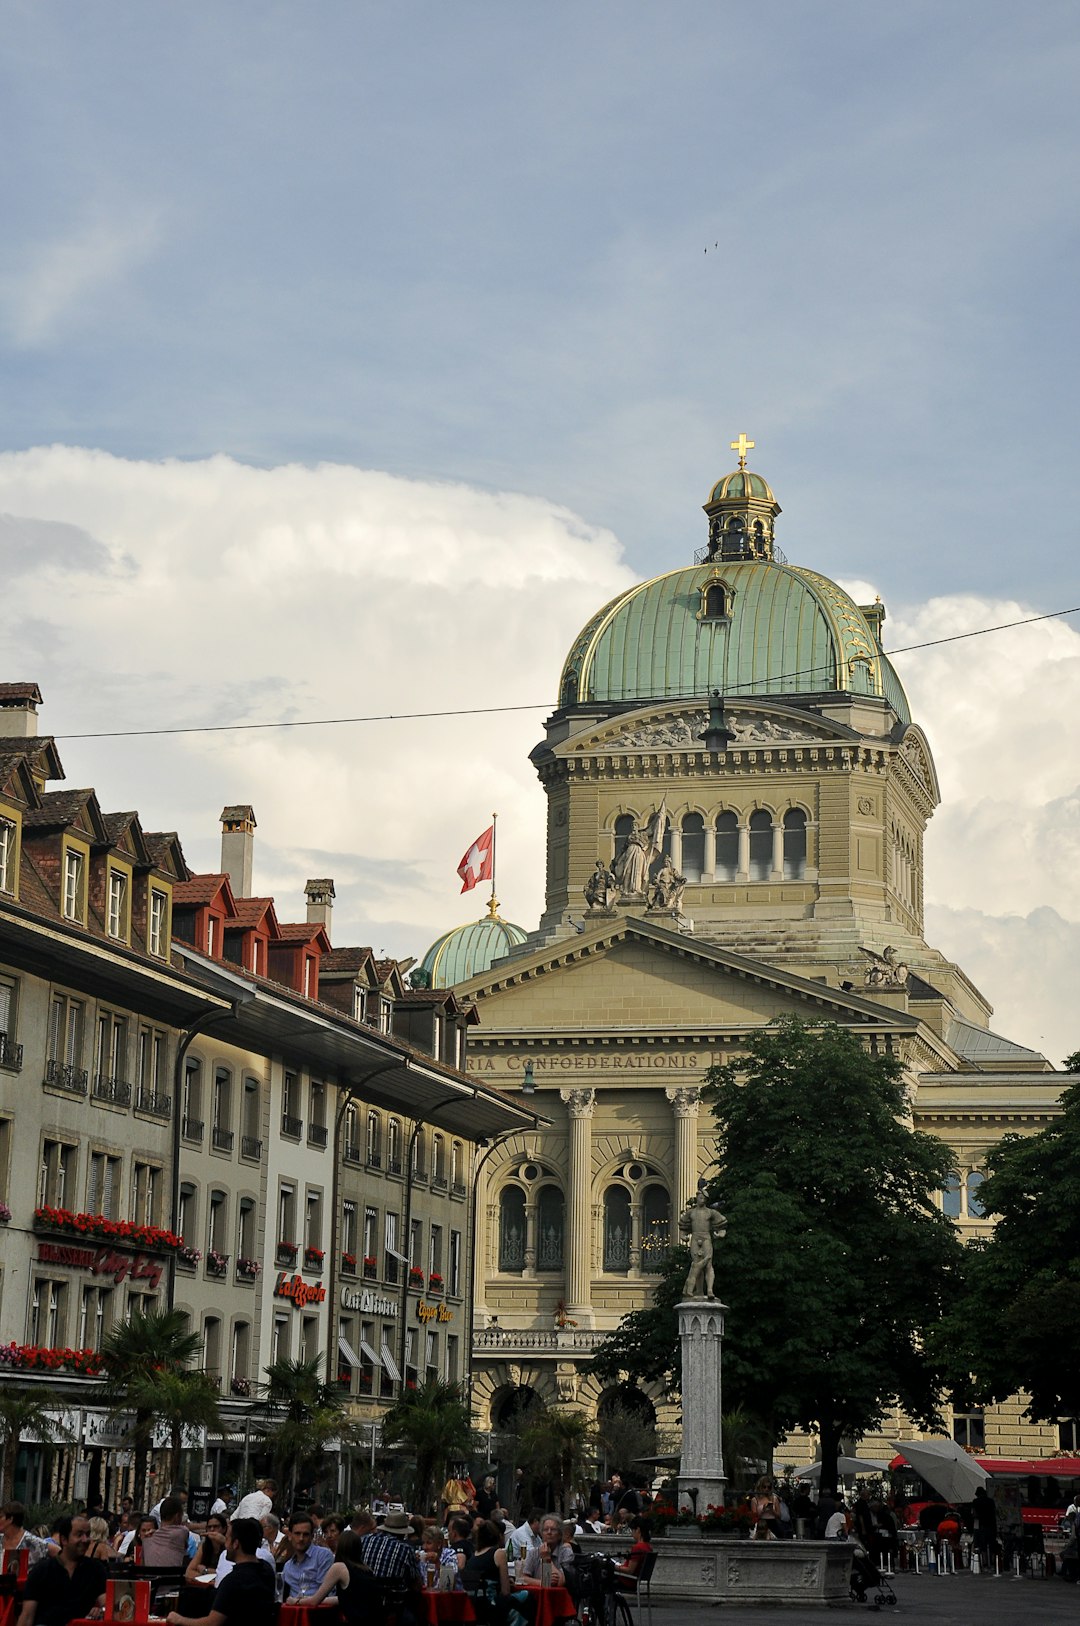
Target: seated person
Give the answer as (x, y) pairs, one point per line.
(246, 1597)
(541, 1560)
(66, 1586)
(358, 1592)
(304, 1570)
(626, 1573)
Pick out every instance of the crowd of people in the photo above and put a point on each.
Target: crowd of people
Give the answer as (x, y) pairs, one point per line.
(234, 1564)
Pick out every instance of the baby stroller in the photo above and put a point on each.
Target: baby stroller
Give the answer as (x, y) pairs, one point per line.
(867, 1578)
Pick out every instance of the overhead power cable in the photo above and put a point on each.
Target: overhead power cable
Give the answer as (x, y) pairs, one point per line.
(536, 705)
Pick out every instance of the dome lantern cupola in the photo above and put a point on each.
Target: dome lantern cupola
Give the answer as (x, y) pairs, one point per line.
(741, 510)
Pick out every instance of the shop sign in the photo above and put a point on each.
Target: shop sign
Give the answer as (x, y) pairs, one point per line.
(135, 1267)
(367, 1302)
(300, 1292)
(433, 1312)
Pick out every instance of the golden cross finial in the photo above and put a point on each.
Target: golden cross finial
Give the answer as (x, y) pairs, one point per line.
(742, 446)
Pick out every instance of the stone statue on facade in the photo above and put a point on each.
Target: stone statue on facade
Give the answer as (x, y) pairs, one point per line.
(667, 887)
(886, 970)
(701, 1223)
(642, 849)
(601, 889)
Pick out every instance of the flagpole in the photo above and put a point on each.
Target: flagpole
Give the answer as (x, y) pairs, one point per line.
(494, 904)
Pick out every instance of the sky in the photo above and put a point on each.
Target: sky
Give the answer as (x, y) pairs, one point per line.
(351, 356)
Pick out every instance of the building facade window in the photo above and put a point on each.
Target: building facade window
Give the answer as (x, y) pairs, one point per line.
(435, 1251)
(94, 1318)
(8, 839)
(74, 884)
(950, 1196)
(454, 1282)
(794, 844)
(393, 1147)
(655, 1227)
(157, 935)
(969, 1429)
(616, 1230)
(66, 1030)
(48, 1305)
(187, 1212)
(245, 1229)
(217, 1233)
(279, 1342)
(974, 1206)
(1069, 1435)
(550, 1227)
(103, 1185)
(727, 846)
(391, 1247)
(56, 1179)
(192, 1119)
(313, 1220)
(374, 1141)
(624, 829)
(287, 1214)
(116, 912)
(371, 1235)
(348, 1226)
(693, 846)
(761, 845)
(212, 1347)
(241, 1351)
(512, 1230)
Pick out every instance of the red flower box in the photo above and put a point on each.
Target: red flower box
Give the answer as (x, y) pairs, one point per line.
(150, 1237)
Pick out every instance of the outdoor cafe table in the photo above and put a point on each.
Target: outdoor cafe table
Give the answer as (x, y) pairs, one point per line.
(307, 1614)
(553, 1604)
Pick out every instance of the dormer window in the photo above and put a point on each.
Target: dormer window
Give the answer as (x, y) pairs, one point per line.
(359, 1003)
(74, 870)
(715, 602)
(8, 838)
(116, 919)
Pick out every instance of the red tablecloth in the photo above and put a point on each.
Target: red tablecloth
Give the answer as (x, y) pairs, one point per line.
(306, 1614)
(553, 1603)
(9, 1608)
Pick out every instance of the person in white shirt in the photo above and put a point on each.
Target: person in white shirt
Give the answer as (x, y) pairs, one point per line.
(225, 1563)
(527, 1535)
(836, 1526)
(257, 1503)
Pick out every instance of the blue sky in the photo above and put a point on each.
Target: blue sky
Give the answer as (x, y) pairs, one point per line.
(466, 242)
(375, 346)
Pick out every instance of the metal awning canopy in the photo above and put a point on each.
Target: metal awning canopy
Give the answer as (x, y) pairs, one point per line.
(108, 971)
(382, 1071)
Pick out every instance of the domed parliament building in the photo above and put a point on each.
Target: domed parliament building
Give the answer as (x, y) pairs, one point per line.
(738, 799)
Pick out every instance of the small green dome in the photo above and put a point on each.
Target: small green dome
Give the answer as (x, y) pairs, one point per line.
(468, 950)
(740, 486)
(765, 628)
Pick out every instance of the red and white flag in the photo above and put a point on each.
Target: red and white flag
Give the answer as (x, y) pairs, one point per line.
(477, 862)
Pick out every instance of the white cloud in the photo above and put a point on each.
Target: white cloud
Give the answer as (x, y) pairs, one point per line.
(165, 594)
(57, 281)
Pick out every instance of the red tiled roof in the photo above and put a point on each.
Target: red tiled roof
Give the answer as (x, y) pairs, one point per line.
(158, 843)
(20, 691)
(251, 912)
(117, 824)
(199, 889)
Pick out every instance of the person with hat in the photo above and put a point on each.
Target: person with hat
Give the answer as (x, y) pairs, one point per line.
(387, 1554)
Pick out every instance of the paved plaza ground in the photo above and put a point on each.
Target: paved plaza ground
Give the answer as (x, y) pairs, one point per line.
(949, 1600)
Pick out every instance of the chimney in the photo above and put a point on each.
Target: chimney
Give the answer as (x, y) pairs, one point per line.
(238, 847)
(18, 710)
(320, 903)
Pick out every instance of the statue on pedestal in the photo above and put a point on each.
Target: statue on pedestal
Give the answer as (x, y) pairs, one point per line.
(643, 847)
(701, 1223)
(667, 887)
(601, 889)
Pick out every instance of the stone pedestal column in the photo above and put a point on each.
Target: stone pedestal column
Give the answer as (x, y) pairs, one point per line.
(579, 1107)
(744, 852)
(708, 863)
(685, 1103)
(701, 1465)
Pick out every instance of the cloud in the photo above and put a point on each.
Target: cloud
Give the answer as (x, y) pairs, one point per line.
(57, 282)
(179, 594)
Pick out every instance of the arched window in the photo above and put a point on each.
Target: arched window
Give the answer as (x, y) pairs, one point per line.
(374, 1141)
(974, 1206)
(727, 846)
(569, 693)
(512, 1230)
(616, 1229)
(456, 1165)
(393, 1147)
(714, 602)
(624, 829)
(794, 844)
(693, 846)
(352, 1132)
(655, 1227)
(950, 1196)
(438, 1158)
(550, 1215)
(760, 845)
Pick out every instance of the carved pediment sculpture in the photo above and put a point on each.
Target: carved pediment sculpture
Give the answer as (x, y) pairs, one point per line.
(684, 733)
(886, 970)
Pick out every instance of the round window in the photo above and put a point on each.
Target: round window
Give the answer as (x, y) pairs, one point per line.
(635, 1171)
(529, 1171)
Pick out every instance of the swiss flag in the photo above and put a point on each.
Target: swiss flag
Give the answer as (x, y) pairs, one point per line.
(476, 864)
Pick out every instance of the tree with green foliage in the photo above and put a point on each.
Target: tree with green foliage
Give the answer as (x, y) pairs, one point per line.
(25, 1409)
(302, 1415)
(433, 1420)
(836, 1264)
(1017, 1325)
(148, 1372)
(557, 1447)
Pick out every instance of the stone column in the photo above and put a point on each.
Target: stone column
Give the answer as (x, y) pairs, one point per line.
(777, 851)
(708, 863)
(579, 1108)
(675, 836)
(744, 850)
(701, 1465)
(685, 1103)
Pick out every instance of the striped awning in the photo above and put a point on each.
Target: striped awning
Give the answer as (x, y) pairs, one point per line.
(389, 1362)
(368, 1353)
(347, 1350)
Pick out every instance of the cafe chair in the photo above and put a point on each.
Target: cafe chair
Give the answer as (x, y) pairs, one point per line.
(641, 1587)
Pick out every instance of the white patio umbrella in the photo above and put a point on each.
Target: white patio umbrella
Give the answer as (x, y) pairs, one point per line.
(845, 1465)
(946, 1466)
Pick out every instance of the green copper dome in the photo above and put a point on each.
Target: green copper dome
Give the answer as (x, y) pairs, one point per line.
(740, 486)
(745, 627)
(468, 950)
